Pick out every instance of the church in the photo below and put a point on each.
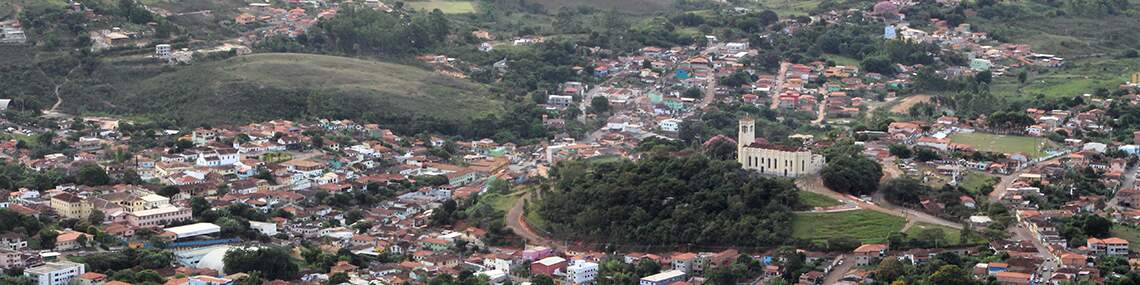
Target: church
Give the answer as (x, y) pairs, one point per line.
(773, 159)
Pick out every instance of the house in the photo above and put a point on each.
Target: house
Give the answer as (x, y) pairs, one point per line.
(1108, 246)
(548, 266)
(70, 206)
(581, 272)
(55, 273)
(1012, 278)
(663, 278)
(1129, 197)
(670, 125)
(868, 254)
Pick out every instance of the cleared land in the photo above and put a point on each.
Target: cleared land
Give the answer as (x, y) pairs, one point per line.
(1078, 76)
(865, 225)
(975, 181)
(447, 7)
(628, 6)
(1132, 235)
(952, 236)
(274, 86)
(816, 200)
(789, 7)
(1031, 146)
(904, 105)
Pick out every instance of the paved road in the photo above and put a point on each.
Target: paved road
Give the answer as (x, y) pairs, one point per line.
(814, 184)
(1129, 182)
(838, 271)
(1047, 267)
(1006, 181)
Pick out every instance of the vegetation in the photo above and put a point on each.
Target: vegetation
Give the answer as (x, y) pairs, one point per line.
(863, 225)
(816, 200)
(271, 262)
(668, 200)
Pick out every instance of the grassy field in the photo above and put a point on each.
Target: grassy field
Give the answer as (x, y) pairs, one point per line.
(816, 200)
(627, 6)
(448, 7)
(275, 86)
(789, 7)
(841, 60)
(952, 235)
(1000, 143)
(1079, 76)
(974, 181)
(865, 225)
(1132, 235)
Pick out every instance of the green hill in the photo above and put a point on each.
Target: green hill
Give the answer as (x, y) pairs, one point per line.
(270, 86)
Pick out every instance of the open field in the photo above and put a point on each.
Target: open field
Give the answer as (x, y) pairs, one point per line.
(816, 200)
(274, 86)
(865, 225)
(975, 181)
(789, 7)
(448, 7)
(952, 235)
(904, 105)
(1066, 36)
(1080, 76)
(1132, 235)
(1001, 143)
(628, 6)
(841, 60)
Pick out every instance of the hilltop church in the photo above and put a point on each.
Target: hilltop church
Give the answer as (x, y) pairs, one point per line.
(773, 159)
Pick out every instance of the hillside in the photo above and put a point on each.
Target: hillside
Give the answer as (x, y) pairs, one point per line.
(269, 86)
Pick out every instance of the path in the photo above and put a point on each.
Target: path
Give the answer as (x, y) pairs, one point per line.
(814, 184)
(774, 94)
(54, 111)
(516, 221)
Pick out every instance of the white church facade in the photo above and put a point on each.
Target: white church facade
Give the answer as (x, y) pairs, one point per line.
(773, 159)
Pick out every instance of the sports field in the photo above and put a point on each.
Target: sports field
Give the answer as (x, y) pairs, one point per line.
(1031, 146)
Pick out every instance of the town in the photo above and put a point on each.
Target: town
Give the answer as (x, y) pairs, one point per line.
(861, 144)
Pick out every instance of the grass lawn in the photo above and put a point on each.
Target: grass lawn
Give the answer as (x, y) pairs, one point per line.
(974, 181)
(1001, 143)
(865, 225)
(817, 200)
(536, 221)
(448, 7)
(952, 235)
(505, 202)
(1132, 235)
(841, 60)
(786, 8)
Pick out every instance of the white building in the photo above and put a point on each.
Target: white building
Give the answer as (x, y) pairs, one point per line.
(269, 229)
(670, 125)
(55, 273)
(581, 272)
(663, 278)
(773, 159)
(162, 51)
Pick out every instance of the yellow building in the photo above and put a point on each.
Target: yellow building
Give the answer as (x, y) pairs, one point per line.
(69, 206)
(773, 159)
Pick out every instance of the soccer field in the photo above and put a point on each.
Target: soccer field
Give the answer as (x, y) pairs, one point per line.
(1031, 146)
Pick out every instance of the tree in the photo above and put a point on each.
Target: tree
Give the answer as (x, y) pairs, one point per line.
(542, 280)
(890, 269)
(693, 92)
(1022, 76)
(950, 275)
(47, 238)
(96, 217)
(338, 278)
(92, 175)
(925, 154)
(900, 151)
(856, 175)
(273, 262)
(904, 190)
(600, 104)
(168, 191)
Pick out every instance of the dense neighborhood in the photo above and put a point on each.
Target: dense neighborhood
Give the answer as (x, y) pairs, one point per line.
(875, 154)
